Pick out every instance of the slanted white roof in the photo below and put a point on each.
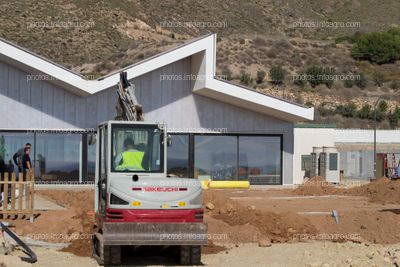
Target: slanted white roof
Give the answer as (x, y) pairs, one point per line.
(203, 54)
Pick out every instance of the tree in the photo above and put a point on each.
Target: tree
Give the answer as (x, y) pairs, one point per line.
(318, 75)
(364, 112)
(380, 111)
(347, 110)
(378, 47)
(260, 76)
(394, 117)
(277, 74)
(383, 106)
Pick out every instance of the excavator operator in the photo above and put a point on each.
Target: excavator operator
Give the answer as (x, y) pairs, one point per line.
(131, 159)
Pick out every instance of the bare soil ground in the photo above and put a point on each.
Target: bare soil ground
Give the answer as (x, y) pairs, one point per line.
(259, 221)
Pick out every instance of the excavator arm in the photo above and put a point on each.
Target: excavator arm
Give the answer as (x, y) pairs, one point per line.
(128, 107)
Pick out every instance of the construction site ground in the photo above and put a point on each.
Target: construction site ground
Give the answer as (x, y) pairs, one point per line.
(253, 227)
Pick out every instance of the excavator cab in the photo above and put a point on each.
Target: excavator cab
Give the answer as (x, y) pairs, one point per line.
(136, 203)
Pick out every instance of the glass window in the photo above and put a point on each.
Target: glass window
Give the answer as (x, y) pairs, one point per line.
(137, 149)
(260, 159)
(215, 157)
(10, 143)
(58, 157)
(178, 155)
(91, 159)
(333, 161)
(306, 162)
(103, 152)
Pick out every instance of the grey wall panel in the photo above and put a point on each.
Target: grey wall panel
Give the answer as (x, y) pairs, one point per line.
(3, 79)
(58, 102)
(112, 100)
(102, 109)
(91, 111)
(36, 95)
(25, 90)
(47, 101)
(69, 108)
(13, 83)
(80, 120)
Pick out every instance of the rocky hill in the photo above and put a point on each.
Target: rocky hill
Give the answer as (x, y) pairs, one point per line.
(94, 37)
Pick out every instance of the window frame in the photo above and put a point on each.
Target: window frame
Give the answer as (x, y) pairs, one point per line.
(303, 159)
(142, 126)
(336, 161)
(237, 135)
(189, 152)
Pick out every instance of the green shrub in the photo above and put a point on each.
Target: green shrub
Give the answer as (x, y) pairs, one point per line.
(379, 78)
(341, 39)
(347, 110)
(318, 75)
(383, 106)
(360, 81)
(260, 76)
(394, 117)
(323, 110)
(246, 79)
(277, 74)
(379, 47)
(364, 112)
(348, 83)
(299, 81)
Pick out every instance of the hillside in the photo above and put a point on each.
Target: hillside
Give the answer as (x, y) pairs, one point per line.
(96, 37)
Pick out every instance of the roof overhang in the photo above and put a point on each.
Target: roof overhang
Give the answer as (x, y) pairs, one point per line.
(203, 53)
(255, 101)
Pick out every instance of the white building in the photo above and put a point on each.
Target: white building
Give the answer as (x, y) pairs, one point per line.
(355, 147)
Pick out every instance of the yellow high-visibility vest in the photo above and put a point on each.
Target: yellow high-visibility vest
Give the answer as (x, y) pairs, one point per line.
(131, 160)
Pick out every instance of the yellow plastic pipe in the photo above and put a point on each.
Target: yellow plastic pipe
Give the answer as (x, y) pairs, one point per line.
(228, 184)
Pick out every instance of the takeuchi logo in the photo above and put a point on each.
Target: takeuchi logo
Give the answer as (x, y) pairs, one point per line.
(161, 189)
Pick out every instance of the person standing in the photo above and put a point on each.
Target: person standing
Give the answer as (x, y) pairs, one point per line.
(26, 160)
(18, 157)
(26, 166)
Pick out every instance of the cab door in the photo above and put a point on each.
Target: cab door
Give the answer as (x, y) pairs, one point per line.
(102, 183)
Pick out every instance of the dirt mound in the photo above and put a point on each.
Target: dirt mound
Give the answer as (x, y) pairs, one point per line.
(382, 190)
(81, 206)
(316, 186)
(277, 227)
(75, 199)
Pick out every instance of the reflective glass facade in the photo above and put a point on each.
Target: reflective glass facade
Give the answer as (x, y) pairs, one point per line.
(56, 156)
(61, 157)
(178, 155)
(254, 158)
